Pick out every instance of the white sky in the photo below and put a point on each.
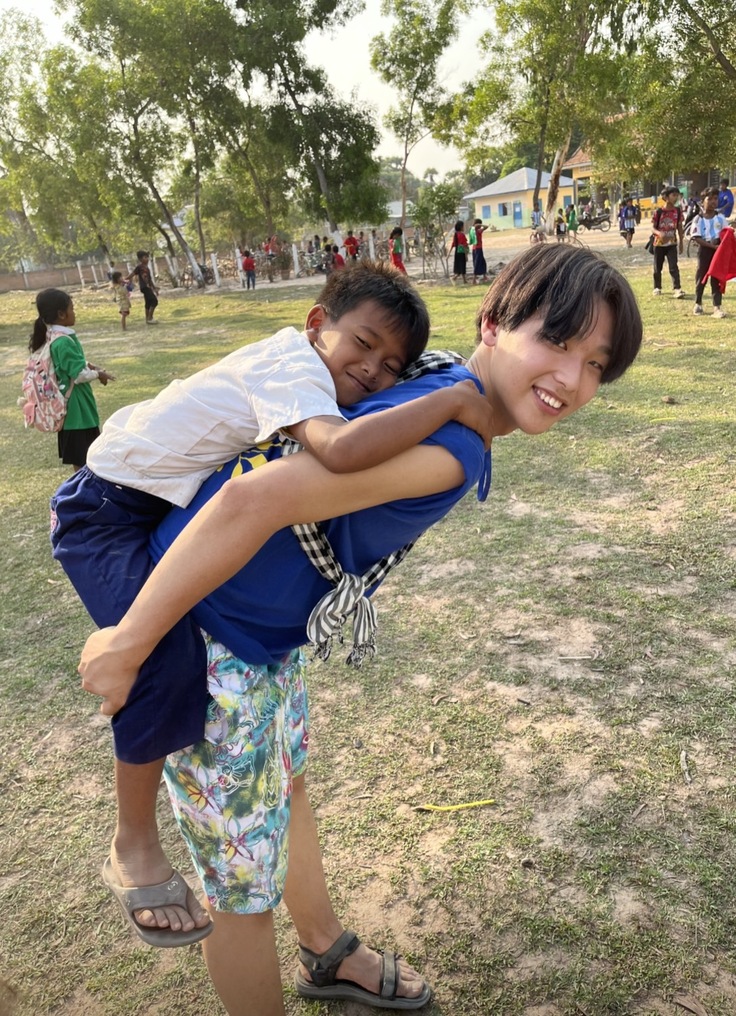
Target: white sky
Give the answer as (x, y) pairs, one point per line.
(348, 48)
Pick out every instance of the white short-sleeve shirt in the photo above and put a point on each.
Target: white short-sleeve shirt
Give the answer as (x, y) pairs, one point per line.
(168, 445)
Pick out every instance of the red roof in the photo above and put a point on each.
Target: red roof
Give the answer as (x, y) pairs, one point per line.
(578, 158)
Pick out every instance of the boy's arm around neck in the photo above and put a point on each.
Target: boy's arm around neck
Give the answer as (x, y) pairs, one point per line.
(348, 447)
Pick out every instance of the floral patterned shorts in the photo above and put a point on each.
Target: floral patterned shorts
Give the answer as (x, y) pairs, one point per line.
(231, 792)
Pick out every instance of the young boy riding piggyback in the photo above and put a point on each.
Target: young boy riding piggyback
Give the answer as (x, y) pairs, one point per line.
(368, 325)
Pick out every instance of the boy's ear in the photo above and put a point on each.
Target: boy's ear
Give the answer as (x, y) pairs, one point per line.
(488, 332)
(315, 319)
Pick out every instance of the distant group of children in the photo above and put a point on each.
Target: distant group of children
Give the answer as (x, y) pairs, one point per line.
(122, 286)
(462, 244)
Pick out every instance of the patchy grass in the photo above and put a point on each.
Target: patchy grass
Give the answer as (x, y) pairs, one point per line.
(557, 649)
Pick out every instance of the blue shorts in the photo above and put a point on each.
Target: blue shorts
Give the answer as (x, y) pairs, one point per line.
(99, 535)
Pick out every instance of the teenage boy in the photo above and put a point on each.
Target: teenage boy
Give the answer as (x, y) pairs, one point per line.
(706, 233)
(557, 323)
(142, 272)
(725, 200)
(668, 238)
(369, 325)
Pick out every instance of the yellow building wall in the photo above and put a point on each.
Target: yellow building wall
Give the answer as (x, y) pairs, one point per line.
(498, 209)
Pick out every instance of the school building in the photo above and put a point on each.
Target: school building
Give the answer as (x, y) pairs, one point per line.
(580, 167)
(507, 203)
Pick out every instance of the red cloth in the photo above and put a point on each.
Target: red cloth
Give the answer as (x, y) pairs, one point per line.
(723, 266)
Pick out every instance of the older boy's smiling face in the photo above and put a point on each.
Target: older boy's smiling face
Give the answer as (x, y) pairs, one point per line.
(363, 350)
(535, 382)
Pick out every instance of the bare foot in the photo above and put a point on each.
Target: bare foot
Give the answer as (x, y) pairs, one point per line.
(363, 967)
(149, 865)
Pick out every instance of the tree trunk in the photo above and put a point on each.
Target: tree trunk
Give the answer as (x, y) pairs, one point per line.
(264, 196)
(100, 238)
(540, 148)
(197, 188)
(172, 252)
(318, 167)
(712, 37)
(147, 178)
(554, 181)
(186, 249)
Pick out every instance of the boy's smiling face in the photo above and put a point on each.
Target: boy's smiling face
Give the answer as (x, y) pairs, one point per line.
(534, 382)
(363, 350)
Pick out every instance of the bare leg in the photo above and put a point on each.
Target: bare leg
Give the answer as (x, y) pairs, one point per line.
(241, 959)
(308, 902)
(136, 853)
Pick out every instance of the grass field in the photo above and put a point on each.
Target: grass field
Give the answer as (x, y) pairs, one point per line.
(566, 649)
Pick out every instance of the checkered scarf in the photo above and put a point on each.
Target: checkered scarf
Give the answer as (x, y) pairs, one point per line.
(348, 597)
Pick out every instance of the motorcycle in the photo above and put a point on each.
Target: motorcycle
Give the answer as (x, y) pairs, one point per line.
(602, 222)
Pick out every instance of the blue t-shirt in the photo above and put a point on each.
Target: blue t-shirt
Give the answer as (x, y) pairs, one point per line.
(261, 613)
(725, 203)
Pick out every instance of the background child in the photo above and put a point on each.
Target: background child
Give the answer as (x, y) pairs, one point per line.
(351, 246)
(249, 267)
(480, 268)
(560, 226)
(142, 272)
(56, 320)
(396, 248)
(369, 325)
(122, 295)
(338, 261)
(627, 220)
(460, 245)
(706, 233)
(668, 236)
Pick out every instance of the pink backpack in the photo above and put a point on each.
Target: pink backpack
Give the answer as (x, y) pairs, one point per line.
(44, 404)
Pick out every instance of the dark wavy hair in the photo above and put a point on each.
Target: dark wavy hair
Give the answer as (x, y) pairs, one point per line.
(565, 285)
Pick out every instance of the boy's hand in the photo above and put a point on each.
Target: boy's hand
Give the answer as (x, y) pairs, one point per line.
(107, 670)
(473, 410)
(103, 376)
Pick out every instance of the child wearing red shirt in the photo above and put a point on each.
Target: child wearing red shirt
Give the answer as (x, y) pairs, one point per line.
(460, 244)
(249, 267)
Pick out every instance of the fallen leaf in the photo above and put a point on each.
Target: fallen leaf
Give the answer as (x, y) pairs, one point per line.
(691, 1004)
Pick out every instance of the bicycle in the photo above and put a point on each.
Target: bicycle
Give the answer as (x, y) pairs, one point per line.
(187, 276)
(537, 235)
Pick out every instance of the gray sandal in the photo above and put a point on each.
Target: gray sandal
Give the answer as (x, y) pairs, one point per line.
(175, 892)
(325, 984)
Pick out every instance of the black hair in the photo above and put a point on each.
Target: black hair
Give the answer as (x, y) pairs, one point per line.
(140, 254)
(477, 222)
(246, 253)
(565, 286)
(459, 226)
(335, 249)
(116, 276)
(391, 290)
(396, 231)
(710, 192)
(724, 179)
(49, 304)
(670, 190)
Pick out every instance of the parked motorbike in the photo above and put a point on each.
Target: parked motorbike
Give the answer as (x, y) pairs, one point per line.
(602, 222)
